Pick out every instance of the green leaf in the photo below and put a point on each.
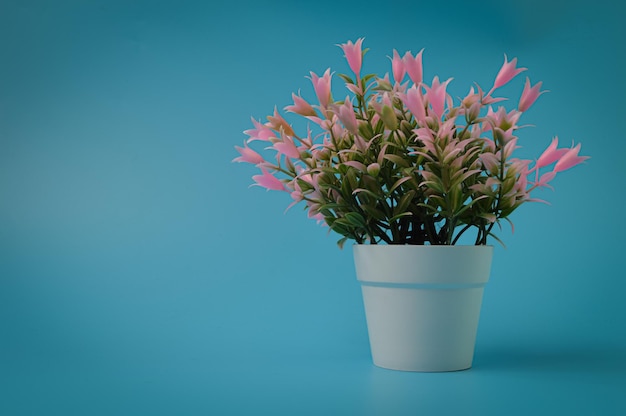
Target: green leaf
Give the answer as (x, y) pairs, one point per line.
(398, 183)
(440, 201)
(405, 201)
(346, 78)
(508, 184)
(304, 185)
(435, 185)
(346, 190)
(489, 216)
(458, 178)
(355, 219)
(331, 206)
(373, 212)
(341, 242)
(368, 76)
(351, 177)
(396, 217)
(497, 239)
(389, 117)
(342, 227)
(469, 205)
(366, 131)
(367, 191)
(398, 160)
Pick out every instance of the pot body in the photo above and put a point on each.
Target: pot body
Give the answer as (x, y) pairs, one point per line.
(422, 303)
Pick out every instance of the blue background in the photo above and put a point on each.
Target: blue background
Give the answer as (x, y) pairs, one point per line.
(140, 275)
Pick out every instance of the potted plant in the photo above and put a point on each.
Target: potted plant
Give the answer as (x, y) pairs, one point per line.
(407, 173)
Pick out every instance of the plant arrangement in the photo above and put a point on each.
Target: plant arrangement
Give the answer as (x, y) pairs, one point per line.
(398, 162)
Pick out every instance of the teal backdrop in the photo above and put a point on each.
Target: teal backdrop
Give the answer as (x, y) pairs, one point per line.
(141, 275)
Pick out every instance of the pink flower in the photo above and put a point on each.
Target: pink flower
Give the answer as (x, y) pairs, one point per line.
(354, 55)
(397, 67)
(506, 73)
(415, 103)
(260, 132)
(319, 217)
(570, 159)
(471, 98)
(355, 89)
(545, 178)
(278, 123)
(287, 147)
(436, 95)
(529, 95)
(322, 87)
(425, 135)
(268, 181)
(348, 118)
(300, 107)
(248, 155)
(502, 119)
(550, 155)
(413, 66)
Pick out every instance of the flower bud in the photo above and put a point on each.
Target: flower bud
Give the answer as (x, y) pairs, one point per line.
(473, 112)
(384, 84)
(389, 118)
(373, 169)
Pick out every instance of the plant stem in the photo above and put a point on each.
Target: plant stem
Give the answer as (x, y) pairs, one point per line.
(467, 227)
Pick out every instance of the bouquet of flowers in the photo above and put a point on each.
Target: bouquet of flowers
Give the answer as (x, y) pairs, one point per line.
(397, 161)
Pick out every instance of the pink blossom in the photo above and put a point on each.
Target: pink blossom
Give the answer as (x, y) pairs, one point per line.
(296, 195)
(570, 159)
(248, 155)
(355, 89)
(387, 99)
(507, 72)
(529, 95)
(447, 129)
(310, 179)
(278, 123)
(550, 155)
(336, 129)
(317, 120)
(436, 95)
(300, 107)
(354, 55)
(260, 132)
(322, 87)
(287, 147)
(425, 135)
(346, 114)
(415, 103)
(413, 66)
(473, 111)
(319, 217)
(397, 67)
(471, 98)
(545, 178)
(268, 181)
(502, 119)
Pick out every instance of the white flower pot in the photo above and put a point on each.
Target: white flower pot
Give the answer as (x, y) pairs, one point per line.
(422, 303)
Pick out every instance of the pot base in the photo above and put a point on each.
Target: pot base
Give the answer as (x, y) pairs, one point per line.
(422, 329)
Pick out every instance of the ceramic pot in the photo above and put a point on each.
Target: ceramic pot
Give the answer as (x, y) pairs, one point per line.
(422, 303)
